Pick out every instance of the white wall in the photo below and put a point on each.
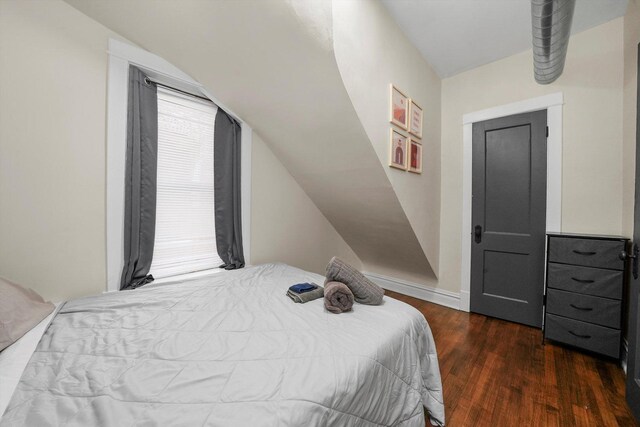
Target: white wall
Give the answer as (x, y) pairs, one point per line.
(53, 68)
(371, 52)
(280, 75)
(53, 64)
(286, 225)
(631, 40)
(592, 136)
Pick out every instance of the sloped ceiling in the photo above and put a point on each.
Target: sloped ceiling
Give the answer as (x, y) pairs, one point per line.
(273, 64)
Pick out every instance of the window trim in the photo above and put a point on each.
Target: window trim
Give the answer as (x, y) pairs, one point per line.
(121, 56)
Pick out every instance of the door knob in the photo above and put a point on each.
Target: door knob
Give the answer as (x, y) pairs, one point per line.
(477, 232)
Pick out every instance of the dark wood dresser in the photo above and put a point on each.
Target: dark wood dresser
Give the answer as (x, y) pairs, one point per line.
(584, 291)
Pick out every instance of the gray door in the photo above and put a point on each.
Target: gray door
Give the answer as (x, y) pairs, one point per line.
(633, 332)
(509, 217)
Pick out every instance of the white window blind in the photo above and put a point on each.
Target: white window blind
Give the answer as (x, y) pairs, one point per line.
(185, 238)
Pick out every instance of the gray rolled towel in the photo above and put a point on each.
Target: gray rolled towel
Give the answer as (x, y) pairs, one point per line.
(364, 290)
(338, 297)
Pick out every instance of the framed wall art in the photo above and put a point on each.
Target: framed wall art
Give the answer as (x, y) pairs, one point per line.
(414, 157)
(415, 119)
(399, 108)
(398, 151)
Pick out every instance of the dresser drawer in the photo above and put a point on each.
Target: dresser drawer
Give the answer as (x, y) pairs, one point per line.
(591, 337)
(585, 280)
(587, 252)
(601, 311)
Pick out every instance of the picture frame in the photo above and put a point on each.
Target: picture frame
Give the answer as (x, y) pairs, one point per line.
(416, 115)
(398, 107)
(414, 156)
(398, 150)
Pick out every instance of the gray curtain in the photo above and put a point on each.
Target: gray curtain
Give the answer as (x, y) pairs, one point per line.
(226, 169)
(140, 180)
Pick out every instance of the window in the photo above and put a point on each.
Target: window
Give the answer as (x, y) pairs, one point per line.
(185, 239)
(121, 57)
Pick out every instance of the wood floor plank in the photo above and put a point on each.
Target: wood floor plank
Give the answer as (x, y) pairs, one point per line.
(497, 373)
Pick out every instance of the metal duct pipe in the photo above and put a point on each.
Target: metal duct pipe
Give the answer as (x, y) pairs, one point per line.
(551, 25)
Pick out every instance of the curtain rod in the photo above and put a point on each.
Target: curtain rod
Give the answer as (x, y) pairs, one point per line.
(147, 80)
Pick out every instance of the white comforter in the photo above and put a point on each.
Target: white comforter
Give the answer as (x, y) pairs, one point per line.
(230, 350)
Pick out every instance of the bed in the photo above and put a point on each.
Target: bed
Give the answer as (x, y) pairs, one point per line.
(229, 349)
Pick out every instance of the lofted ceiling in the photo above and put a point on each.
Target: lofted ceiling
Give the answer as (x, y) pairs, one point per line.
(458, 35)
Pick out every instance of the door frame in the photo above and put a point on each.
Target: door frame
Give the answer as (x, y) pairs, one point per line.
(553, 104)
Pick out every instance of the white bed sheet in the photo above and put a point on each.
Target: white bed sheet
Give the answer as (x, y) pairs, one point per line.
(14, 359)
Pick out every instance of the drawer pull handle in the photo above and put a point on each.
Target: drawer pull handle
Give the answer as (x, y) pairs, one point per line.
(582, 280)
(584, 253)
(580, 336)
(581, 308)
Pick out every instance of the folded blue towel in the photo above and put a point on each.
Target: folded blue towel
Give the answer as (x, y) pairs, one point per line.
(318, 292)
(301, 288)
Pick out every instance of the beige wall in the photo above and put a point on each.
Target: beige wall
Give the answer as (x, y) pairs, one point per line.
(289, 89)
(592, 134)
(53, 64)
(53, 68)
(631, 40)
(286, 226)
(372, 52)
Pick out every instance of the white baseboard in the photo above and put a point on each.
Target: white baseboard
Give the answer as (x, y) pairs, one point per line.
(426, 293)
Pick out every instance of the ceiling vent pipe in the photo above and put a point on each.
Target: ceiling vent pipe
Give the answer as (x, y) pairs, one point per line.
(551, 26)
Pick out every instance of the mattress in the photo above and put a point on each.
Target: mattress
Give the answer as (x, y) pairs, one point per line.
(229, 350)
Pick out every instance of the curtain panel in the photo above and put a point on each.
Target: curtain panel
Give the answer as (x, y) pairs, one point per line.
(228, 219)
(140, 180)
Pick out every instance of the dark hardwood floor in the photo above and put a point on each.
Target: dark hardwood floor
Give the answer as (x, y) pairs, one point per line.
(497, 373)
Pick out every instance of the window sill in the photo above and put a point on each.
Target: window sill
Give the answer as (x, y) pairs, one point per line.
(177, 278)
(186, 276)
